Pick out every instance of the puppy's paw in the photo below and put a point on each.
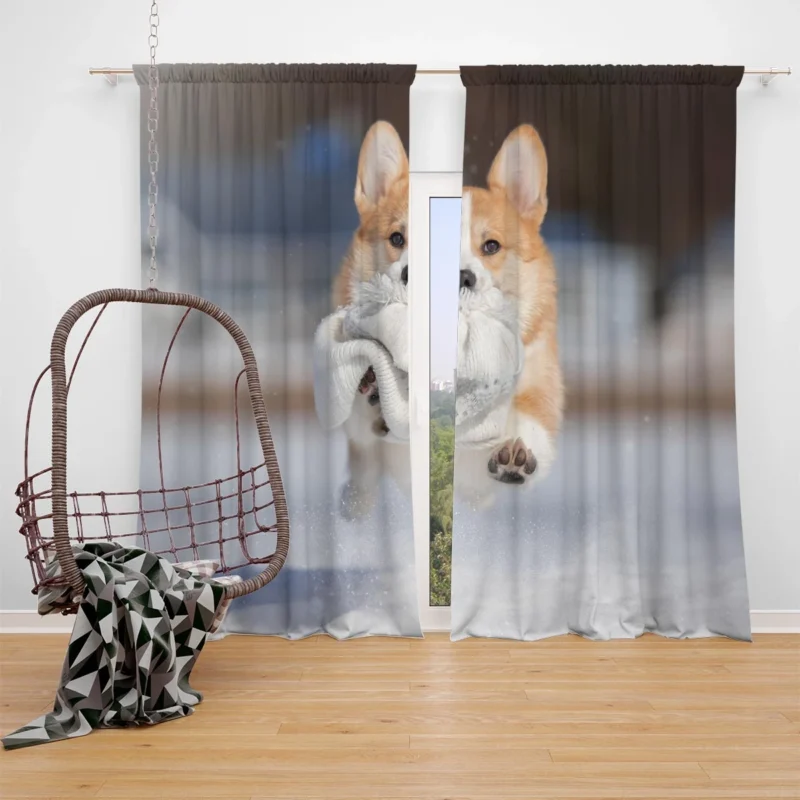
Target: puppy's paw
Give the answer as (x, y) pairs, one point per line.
(369, 387)
(512, 462)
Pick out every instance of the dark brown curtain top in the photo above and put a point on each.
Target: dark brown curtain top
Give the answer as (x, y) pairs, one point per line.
(392, 74)
(609, 75)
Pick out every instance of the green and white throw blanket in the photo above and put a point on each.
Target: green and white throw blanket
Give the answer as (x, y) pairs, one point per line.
(139, 630)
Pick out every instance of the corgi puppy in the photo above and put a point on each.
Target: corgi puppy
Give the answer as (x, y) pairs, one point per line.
(380, 244)
(501, 240)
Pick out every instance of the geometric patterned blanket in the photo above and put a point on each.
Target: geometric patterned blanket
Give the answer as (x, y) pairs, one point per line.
(139, 630)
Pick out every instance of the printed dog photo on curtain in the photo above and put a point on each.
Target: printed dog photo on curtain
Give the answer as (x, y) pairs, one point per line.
(596, 481)
(283, 198)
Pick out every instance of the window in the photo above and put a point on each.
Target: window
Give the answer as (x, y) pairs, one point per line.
(434, 254)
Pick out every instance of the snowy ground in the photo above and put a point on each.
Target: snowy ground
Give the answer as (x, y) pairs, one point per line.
(344, 578)
(637, 528)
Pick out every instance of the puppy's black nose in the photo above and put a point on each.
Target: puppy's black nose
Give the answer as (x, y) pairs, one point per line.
(404, 275)
(468, 279)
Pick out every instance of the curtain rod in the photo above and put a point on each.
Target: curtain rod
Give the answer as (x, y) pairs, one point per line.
(766, 73)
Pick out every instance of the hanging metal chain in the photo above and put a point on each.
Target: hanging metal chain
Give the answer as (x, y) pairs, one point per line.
(152, 147)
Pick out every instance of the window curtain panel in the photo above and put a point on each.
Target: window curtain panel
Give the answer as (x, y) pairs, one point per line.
(596, 482)
(282, 192)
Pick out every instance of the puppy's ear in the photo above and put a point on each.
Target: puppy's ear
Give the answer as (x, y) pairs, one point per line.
(382, 161)
(520, 170)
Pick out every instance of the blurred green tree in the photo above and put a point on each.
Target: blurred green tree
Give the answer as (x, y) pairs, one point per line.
(441, 489)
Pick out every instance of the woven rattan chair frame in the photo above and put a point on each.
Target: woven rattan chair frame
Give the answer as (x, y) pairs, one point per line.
(70, 573)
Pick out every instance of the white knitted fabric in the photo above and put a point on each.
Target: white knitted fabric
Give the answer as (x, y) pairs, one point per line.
(372, 332)
(490, 360)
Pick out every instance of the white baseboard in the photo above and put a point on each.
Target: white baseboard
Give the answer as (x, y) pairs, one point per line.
(31, 622)
(775, 621)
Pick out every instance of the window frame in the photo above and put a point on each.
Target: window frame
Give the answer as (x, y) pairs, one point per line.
(424, 187)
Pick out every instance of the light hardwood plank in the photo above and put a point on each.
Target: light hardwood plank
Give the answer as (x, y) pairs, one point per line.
(607, 741)
(657, 753)
(424, 783)
(783, 773)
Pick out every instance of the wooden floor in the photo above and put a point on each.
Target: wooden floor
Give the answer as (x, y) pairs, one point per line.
(381, 718)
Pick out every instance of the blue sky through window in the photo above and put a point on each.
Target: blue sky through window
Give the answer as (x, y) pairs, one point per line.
(445, 236)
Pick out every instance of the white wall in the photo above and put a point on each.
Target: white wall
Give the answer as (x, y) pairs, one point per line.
(70, 197)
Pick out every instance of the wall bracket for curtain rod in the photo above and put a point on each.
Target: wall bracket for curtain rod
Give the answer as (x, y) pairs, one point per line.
(768, 76)
(111, 75)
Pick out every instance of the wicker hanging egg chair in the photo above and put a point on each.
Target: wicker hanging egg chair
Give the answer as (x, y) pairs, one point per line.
(170, 522)
(222, 520)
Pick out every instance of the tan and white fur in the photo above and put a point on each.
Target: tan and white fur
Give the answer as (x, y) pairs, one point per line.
(380, 244)
(501, 239)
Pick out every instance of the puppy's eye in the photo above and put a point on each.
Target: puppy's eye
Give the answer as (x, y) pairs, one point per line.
(490, 247)
(397, 239)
